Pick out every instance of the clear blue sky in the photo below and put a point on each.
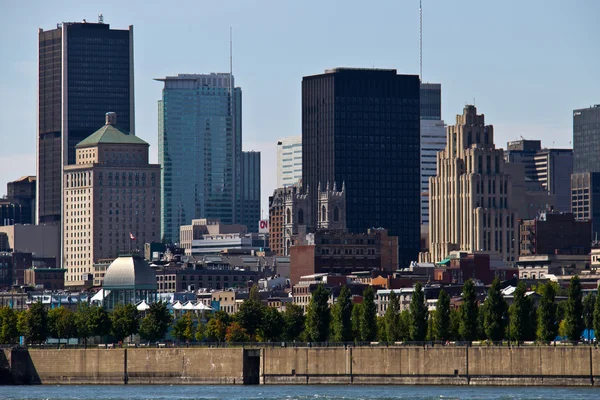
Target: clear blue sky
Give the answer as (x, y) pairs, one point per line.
(527, 64)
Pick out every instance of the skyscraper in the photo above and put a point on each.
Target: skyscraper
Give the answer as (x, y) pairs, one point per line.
(361, 127)
(586, 139)
(289, 161)
(85, 70)
(471, 197)
(111, 200)
(199, 149)
(433, 139)
(249, 207)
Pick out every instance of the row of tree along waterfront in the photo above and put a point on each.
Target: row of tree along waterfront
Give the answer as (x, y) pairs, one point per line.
(492, 320)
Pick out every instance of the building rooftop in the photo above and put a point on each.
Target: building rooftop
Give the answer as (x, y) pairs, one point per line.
(129, 272)
(110, 134)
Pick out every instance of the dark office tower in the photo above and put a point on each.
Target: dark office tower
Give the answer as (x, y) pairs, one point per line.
(586, 140)
(249, 207)
(361, 127)
(431, 101)
(85, 71)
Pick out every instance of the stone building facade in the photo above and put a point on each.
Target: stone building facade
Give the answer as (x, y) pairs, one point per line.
(111, 201)
(471, 204)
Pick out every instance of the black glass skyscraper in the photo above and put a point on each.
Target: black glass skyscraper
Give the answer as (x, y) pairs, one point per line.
(85, 71)
(586, 140)
(361, 127)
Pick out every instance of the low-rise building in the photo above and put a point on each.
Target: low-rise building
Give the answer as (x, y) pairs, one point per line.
(459, 267)
(540, 266)
(551, 232)
(45, 278)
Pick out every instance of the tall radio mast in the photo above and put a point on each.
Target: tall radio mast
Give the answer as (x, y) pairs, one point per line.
(421, 40)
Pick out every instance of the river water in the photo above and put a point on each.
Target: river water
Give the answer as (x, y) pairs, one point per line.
(292, 392)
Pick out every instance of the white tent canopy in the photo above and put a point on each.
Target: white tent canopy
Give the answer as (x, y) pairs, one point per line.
(202, 307)
(177, 305)
(188, 306)
(143, 306)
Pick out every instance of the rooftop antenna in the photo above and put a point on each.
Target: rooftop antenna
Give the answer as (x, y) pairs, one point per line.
(100, 18)
(421, 40)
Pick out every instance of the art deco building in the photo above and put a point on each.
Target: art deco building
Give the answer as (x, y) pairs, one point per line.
(111, 194)
(471, 207)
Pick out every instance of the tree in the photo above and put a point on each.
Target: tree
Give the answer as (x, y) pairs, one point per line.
(36, 323)
(418, 314)
(318, 316)
(183, 328)
(216, 330)
(405, 322)
(250, 313)
(597, 315)
(8, 325)
(99, 322)
(61, 323)
(368, 317)
(124, 321)
(381, 330)
(519, 312)
(392, 318)
(441, 322)
(155, 324)
(455, 319)
(341, 315)
(574, 311)
(356, 313)
(589, 302)
(82, 316)
(294, 321)
(546, 313)
(468, 313)
(200, 332)
(273, 325)
(495, 310)
(236, 333)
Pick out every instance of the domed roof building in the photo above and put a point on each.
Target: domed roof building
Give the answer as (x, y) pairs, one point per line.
(129, 280)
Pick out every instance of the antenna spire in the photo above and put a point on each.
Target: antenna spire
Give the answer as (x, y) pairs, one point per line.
(421, 40)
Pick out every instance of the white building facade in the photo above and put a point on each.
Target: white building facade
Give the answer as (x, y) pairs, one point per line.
(289, 161)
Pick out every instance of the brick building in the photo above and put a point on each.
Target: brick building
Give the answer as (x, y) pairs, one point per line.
(462, 266)
(552, 233)
(339, 252)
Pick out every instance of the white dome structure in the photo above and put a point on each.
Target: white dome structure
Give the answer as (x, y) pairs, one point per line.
(129, 279)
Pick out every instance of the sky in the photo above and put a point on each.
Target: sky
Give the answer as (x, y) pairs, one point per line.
(525, 64)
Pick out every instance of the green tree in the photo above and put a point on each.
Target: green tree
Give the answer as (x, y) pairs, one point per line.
(368, 317)
(418, 314)
(341, 316)
(381, 329)
(546, 313)
(294, 321)
(596, 317)
(216, 330)
(82, 316)
(405, 322)
(520, 314)
(155, 324)
(200, 332)
(356, 313)
(124, 321)
(495, 310)
(8, 325)
(468, 313)
(236, 333)
(61, 323)
(183, 328)
(441, 322)
(22, 322)
(99, 322)
(273, 325)
(574, 312)
(318, 316)
(36, 323)
(455, 318)
(251, 312)
(589, 302)
(392, 318)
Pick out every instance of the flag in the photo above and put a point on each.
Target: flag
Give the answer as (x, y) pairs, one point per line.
(131, 236)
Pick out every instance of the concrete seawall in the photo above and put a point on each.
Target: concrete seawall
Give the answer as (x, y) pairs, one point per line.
(527, 366)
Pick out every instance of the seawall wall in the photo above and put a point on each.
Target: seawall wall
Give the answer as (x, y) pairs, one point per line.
(544, 365)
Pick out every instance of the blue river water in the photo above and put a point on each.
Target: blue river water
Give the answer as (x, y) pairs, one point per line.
(293, 393)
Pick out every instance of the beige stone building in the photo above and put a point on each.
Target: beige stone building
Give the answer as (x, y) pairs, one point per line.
(471, 197)
(110, 194)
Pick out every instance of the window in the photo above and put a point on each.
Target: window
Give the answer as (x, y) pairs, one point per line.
(336, 214)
